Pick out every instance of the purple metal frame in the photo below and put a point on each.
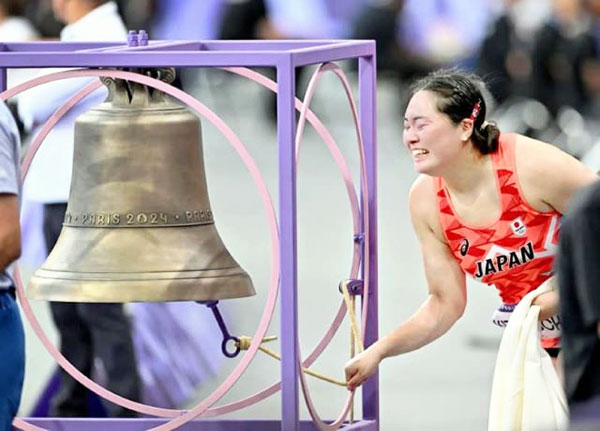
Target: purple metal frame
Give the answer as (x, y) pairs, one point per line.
(71, 424)
(285, 56)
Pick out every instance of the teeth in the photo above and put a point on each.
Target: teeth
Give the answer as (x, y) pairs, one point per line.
(419, 152)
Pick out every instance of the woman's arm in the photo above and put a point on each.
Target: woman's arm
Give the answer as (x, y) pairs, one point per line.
(442, 308)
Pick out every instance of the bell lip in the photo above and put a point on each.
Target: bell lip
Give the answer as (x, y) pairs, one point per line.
(55, 289)
(46, 272)
(117, 110)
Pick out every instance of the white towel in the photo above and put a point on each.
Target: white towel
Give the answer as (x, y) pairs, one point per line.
(527, 394)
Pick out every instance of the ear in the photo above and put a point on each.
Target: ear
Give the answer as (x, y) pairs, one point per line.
(466, 129)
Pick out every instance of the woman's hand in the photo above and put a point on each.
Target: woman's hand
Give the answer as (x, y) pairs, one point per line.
(361, 367)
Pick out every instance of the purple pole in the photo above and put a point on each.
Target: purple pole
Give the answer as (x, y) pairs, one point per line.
(3, 71)
(286, 125)
(367, 87)
(3, 75)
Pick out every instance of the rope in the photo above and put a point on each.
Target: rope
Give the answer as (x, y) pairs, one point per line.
(354, 333)
(245, 341)
(353, 320)
(352, 352)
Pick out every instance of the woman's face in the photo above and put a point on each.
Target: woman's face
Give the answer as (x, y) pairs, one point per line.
(430, 136)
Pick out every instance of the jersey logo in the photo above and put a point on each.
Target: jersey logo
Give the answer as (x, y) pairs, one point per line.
(518, 227)
(464, 247)
(510, 259)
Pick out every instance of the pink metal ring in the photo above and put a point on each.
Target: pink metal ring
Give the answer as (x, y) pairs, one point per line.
(301, 122)
(352, 195)
(274, 285)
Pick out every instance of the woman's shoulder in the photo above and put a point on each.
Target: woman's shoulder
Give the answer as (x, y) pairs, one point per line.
(424, 207)
(423, 201)
(423, 190)
(536, 157)
(526, 143)
(548, 175)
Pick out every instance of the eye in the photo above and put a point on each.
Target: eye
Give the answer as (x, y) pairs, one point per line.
(421, 125)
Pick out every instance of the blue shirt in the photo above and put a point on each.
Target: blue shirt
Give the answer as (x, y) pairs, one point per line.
(9, 167)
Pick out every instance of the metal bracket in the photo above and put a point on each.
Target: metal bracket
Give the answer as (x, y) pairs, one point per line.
(355, 287)
(227, 337)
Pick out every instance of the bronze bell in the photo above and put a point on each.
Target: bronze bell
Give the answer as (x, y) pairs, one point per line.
(138, 225)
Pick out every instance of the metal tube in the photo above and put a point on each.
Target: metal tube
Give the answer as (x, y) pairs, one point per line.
(287, 215)
(368, 115)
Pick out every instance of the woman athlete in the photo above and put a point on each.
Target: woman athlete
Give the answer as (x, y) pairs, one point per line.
(487, 204)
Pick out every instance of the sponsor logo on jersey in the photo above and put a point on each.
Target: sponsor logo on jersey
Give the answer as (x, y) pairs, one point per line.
(464, 247)
(504, 261)
(518, 227)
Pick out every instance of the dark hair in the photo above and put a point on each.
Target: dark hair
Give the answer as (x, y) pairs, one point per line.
(13, 7)
(458, 94)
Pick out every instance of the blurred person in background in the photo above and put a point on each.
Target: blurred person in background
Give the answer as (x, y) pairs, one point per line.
(139, 14)
(186, 19)
(579, 285)
(40, 13)
(505, 54)
(243, 20)
(86, 331)
(378, 20)
(12, 337)
(564, 53)
(14, 27)
(311, 19)
(248, 20)
(182, 20)
(444, 32)
(274, 19)
(591, 68)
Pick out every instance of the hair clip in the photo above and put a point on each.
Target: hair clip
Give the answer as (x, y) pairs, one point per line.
(476, 110)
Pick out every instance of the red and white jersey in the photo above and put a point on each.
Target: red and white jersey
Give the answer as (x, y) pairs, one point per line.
(514, 253)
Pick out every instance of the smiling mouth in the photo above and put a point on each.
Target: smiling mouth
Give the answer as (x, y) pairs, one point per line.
(419, 152)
